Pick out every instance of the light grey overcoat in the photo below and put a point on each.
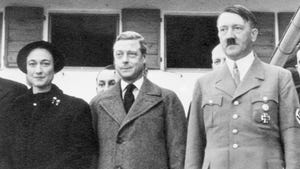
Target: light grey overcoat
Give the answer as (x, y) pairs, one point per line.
(151, 136)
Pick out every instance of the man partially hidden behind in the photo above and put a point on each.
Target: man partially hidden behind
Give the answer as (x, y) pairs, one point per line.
(106, 79)
(140, 125)
(218, 57)
(244, 115)
(9, 90)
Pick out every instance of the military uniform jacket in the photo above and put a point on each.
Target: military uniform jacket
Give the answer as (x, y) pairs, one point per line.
(151, 136)
(51, 131)
(253, 126)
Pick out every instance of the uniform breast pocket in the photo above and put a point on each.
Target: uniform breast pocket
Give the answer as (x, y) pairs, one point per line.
(210, 107)
(265, 110)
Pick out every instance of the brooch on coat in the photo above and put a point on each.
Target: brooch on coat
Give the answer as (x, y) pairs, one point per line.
(55, 101)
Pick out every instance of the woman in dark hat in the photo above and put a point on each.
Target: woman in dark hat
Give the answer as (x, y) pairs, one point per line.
(50, 130)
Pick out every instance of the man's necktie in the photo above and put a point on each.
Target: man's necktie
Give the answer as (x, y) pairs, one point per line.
(128, 97)
(236, 74)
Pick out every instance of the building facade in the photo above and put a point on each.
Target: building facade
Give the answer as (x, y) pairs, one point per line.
(179, 35)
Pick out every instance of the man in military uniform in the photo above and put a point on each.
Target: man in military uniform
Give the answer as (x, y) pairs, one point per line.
(244, 115)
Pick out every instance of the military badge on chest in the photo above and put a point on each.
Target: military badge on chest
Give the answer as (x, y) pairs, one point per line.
(263, 114)
(265, 117)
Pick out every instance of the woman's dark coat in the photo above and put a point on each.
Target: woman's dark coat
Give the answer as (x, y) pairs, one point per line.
(51, 131)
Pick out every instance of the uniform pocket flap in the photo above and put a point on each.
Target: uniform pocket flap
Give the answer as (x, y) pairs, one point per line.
(212, 100)
(264, 97)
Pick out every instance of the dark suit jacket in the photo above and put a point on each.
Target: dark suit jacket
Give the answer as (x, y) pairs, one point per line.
(151, 136)
(253, 126)
(9, 90)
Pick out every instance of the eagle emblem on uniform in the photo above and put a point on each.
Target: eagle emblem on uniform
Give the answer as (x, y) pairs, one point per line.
(298, 115)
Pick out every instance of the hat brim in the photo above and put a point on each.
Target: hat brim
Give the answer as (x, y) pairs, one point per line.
(58, 57)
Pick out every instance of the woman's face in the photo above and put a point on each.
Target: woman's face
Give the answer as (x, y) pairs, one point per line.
(40, 70)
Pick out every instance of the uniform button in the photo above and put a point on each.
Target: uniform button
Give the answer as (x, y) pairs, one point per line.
(120, 140)
(235, 116)
(34, 104)
(235, 146)
(235, 131)
(210, 102)
(236, 103)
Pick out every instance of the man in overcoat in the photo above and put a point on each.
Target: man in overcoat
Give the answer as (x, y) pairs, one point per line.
(9, 90)
(244, 115)
(140, 125)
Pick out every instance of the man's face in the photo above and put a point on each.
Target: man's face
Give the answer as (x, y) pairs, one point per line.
(236, 35)
(105, 80)
(218, 58)
(128, 60)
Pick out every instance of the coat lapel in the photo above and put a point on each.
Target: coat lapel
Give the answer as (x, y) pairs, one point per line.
(149, 95)
(224, 81)
(113, 103)
(252, 79)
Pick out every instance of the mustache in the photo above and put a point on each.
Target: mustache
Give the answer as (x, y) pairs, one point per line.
(231, 41)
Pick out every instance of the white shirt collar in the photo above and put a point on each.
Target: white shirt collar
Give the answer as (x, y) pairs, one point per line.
(243, 64)
(138, 84)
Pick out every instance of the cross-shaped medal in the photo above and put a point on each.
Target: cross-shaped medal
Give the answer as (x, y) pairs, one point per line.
(265, 118)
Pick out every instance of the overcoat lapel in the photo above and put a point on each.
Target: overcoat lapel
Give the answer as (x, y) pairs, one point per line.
(252, 79)
(149, 95)
(113, 104)
(224, 81)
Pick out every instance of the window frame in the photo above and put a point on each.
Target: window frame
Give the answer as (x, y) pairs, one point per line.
(164, 41)
(47, 30)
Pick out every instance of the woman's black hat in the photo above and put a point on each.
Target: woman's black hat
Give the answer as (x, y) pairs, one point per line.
(58, 57)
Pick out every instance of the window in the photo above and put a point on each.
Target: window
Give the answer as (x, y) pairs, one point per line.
(265, 42)
(85, 39)
(284, 19)
(23, 25)
(189, 41)
(147, 23)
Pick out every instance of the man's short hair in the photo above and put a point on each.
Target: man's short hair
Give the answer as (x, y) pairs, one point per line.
(108, 67)
(131, 35)
(243, 12)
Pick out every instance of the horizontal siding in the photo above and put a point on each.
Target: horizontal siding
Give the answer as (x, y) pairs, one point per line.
(23, 25)
(147, 23)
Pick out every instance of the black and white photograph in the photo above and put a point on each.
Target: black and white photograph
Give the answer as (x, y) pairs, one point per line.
(160, 84)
